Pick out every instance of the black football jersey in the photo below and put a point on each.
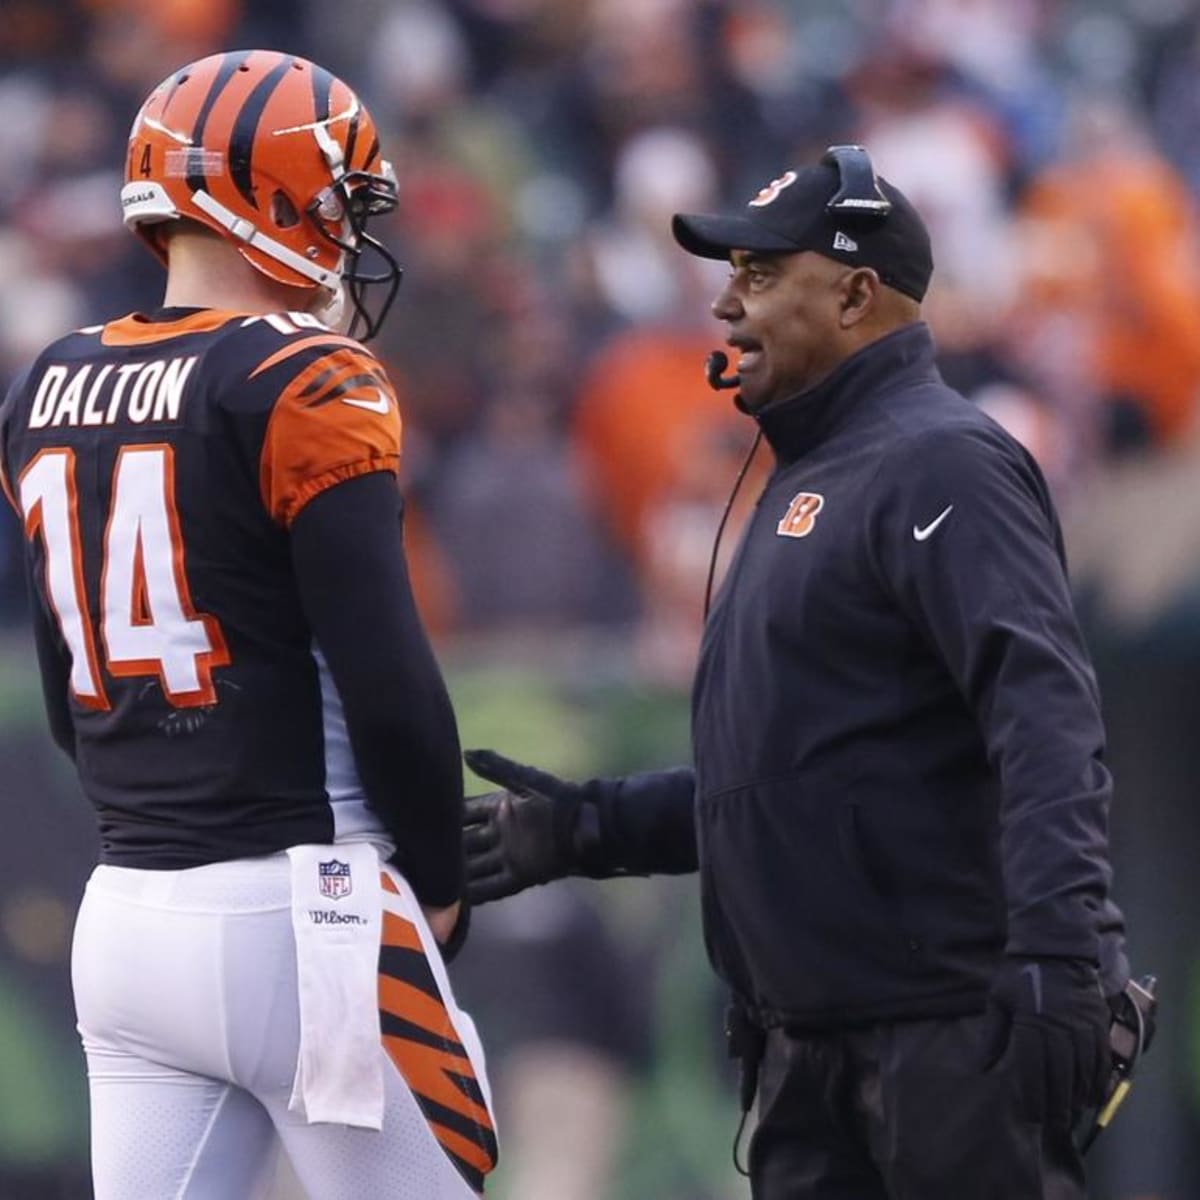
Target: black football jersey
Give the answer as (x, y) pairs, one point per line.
(157, 464)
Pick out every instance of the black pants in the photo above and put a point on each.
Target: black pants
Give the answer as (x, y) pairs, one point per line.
(907, 1111)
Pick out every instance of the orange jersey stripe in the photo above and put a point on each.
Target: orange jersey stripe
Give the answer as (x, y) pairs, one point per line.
(136, 331)
(335, 420)
(319, 339)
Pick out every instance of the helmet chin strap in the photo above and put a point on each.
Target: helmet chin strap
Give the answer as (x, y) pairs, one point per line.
(331, 151)
(247, 232)
(333, 311)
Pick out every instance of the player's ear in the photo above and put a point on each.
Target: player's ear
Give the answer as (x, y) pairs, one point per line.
(859, 293)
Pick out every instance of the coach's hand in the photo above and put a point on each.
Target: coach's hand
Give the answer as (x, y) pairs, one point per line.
(1058, 1036)
(520, 836)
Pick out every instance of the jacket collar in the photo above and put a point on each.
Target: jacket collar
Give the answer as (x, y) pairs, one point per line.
(796, 424)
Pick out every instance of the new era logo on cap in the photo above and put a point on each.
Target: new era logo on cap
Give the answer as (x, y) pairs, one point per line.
(842, 242)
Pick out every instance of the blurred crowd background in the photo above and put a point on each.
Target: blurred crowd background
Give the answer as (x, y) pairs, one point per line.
(566, 465)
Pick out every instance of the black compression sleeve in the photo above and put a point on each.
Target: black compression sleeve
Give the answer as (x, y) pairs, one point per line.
(353, 579)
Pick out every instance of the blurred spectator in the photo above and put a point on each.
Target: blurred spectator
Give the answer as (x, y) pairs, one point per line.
(442, 333)
(35, 35)
(944, 149)
(46, 303)
(1150, 507)
(633, 260)
(1110, 294)
(527, 554)
(1175, 100)
(43, 1094)
(642, 404)
(679, 534)
(790, 59)
(996, 49)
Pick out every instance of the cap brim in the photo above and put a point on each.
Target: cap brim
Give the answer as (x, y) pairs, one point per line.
(715, 236)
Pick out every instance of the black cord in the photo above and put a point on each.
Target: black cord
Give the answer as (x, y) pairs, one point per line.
(737, 1145)
(737, 484)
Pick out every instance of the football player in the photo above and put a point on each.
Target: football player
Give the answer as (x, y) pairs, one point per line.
(232, 657)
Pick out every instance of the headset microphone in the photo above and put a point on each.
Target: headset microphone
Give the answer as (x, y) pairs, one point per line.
(714, 365)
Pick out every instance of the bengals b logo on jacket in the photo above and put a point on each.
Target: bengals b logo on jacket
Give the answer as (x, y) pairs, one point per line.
(801, 515)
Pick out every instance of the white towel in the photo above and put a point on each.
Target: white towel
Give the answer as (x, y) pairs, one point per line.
(336, 915)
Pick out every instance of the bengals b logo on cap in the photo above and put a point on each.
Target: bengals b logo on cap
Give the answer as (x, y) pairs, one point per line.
(771, 192)
(801, 515)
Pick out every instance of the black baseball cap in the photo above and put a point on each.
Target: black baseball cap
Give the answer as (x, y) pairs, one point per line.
(838, 208)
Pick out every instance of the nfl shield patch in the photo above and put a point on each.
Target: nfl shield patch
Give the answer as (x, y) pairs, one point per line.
(333, 879)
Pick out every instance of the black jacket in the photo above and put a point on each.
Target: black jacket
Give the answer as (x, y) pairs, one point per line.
(898, 746)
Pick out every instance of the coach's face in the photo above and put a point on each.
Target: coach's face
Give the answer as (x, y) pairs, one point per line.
(782, 311)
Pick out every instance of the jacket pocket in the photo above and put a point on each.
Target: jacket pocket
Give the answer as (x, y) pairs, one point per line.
(932, 860)
(861, 859)
(802, 916)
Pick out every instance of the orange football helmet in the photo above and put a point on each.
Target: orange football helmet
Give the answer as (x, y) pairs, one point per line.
(275, 154)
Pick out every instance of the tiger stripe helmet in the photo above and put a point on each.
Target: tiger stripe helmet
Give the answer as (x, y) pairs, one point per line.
(275, 154)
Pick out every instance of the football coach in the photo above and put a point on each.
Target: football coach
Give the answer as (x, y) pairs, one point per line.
(899, 803)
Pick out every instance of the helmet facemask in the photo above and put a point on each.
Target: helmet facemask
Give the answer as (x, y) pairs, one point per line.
(340, 214)
(370, 273)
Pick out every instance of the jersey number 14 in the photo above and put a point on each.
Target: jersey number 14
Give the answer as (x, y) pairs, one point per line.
(147, 623)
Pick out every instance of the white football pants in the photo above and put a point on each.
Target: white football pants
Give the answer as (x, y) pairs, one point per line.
(186, 992)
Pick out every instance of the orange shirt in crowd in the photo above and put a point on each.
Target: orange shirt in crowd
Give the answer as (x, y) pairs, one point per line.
(643, 407)
(1116, 242)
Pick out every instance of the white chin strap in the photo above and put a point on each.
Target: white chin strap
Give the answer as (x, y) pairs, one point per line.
(333, 311)
(247, 232)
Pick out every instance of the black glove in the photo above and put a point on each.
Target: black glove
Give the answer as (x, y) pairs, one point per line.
(1135, 1008)
(521, 836)
(1058, 1035)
